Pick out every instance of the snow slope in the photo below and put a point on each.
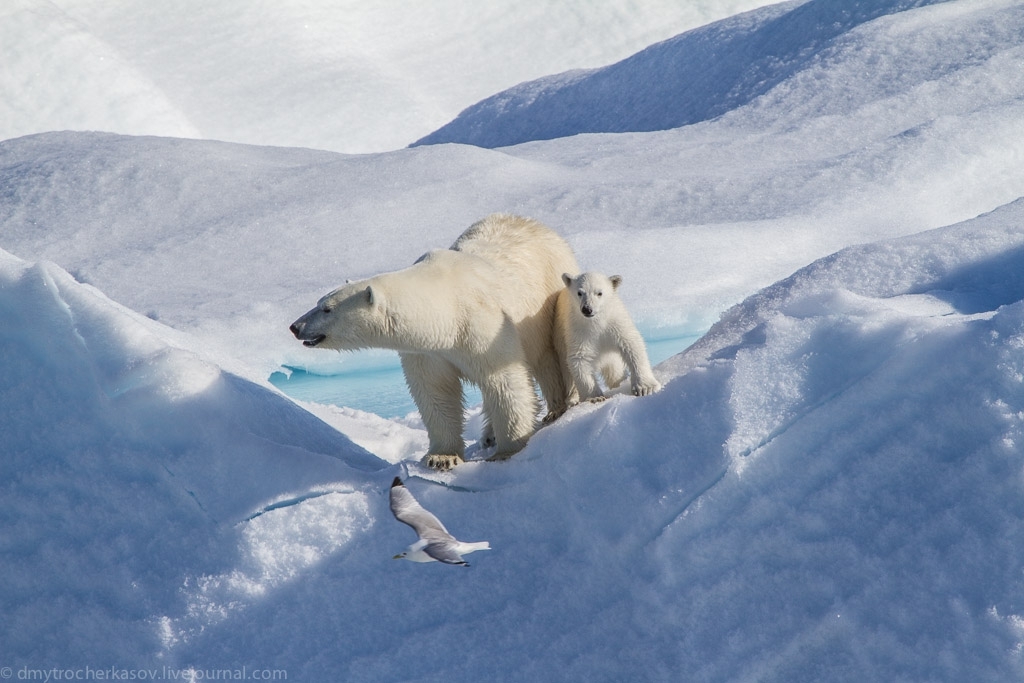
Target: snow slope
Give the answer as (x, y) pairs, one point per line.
(130, 463)
(828, 488)
(824, 57)
(861, 522)
(346, 76)
(929, 135)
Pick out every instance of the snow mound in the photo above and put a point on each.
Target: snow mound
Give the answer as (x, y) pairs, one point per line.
(816, 500)
(873, 500)
(346, 76)
(234, 242)
(128, 458)
(53, 69)
(881, 48)
(969, 268)
(828, 487)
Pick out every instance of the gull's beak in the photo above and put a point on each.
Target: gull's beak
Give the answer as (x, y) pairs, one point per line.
(398, 557)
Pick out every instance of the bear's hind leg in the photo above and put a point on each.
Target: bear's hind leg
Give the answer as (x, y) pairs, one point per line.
(487, 439)
(436, 388)
(551, 378)
(511, 404)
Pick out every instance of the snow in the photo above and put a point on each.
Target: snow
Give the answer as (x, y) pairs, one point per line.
(711, 71)
(829, 487)
(346, 76)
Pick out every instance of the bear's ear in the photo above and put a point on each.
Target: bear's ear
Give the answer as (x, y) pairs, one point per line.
(567, 279)
(616, 280)
(370, 296)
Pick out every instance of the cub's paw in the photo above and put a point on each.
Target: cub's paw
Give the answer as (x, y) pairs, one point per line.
(442, 462)
(597, 399)
(646, 388)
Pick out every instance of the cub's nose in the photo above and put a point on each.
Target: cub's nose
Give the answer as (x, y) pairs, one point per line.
(296, 329)
(587, 311)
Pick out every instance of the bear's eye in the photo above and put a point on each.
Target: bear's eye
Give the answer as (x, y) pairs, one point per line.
(600, 293)
(325, 309)
(580, 294)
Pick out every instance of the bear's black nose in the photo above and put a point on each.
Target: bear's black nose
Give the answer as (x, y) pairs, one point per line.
(296, 329)
(587, 311)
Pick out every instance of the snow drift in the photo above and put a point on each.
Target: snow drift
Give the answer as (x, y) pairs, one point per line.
(829, 487)
(908, 122)
(347, 76)
(129, 460)
(840, 57)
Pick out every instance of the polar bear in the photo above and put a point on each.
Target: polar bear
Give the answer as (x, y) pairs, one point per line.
(482, 311)
(594, 332)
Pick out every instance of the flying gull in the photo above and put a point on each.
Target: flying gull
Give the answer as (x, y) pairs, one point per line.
(435, 543)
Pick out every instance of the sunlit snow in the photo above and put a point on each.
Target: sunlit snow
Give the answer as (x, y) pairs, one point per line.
(830, 486)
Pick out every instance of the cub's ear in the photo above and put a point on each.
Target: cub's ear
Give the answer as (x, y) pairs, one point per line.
(370, 296)
(567, 279)
(616, 280)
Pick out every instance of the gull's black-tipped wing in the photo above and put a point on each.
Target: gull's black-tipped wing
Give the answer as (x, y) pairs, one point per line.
(407, 510)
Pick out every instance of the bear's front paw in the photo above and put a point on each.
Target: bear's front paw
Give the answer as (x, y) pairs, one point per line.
(442, 462)
(597, 399)
(552, 416)
(646, 388)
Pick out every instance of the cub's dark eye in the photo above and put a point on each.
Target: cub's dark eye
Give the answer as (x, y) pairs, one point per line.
(325, 309)
(579, 294)
(600, 293)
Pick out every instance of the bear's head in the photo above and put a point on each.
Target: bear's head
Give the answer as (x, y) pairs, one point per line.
(349, 318)
(591, 291)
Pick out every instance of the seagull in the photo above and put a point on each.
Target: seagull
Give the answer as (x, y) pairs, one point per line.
(435, 543)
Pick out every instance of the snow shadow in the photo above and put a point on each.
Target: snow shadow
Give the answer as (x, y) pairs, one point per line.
(693, 77)
(983, 286)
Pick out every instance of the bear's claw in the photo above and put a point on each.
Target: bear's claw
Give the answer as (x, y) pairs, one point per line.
(552, 416)
(442, 462)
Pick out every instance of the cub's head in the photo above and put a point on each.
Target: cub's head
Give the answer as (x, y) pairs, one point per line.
(351, 317)
(591, 291)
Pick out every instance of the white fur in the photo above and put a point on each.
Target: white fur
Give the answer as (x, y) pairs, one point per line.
(482, 311)
(599, 340)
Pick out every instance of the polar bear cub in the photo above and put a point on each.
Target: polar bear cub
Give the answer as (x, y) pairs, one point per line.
(597, 336)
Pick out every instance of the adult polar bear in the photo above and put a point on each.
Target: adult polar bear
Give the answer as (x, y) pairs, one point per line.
(482, 311)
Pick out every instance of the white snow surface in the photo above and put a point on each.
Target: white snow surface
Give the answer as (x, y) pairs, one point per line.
(875, 57)
(342, 75)
(829, 487)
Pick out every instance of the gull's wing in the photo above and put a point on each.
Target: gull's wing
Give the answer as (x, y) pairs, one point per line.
(407, 510)
(444, 551)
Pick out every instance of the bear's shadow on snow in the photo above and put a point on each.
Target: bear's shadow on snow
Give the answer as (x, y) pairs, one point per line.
(982, 286)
